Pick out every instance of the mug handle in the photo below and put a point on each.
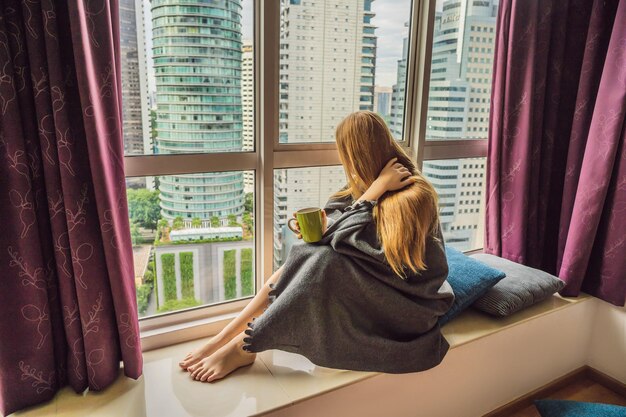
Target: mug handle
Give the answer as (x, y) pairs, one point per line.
(296, 231)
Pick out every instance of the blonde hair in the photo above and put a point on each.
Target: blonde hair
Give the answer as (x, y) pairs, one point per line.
(404, 218)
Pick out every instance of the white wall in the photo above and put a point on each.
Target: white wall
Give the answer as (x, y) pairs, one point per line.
(607, 351)
(482, 375)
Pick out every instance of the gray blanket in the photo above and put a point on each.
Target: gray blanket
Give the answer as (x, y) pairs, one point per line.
(339, 304)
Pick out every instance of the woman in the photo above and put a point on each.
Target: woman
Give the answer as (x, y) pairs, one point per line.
(344, 302)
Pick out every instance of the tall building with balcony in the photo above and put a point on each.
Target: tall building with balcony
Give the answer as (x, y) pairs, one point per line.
(327, 68)
(197, 53)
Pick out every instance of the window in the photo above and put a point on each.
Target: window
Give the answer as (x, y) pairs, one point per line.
(295, 189)
(205, 254)
(210, 189)
(451, 121)
(462, 229)
(374, 67)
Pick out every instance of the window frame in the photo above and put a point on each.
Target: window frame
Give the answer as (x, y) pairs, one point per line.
(268, 155)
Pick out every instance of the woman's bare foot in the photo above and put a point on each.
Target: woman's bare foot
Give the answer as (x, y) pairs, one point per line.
(202, 352)
(224, 361)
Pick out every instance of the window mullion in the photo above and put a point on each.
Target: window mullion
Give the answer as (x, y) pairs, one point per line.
(155, 165)
(267, 36)
(422, 35)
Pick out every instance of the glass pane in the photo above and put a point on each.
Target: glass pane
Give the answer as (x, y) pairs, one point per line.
(337, 57)
(460, 184)
(187, 80)
(193, 239)
(298, 188)
(460, 77)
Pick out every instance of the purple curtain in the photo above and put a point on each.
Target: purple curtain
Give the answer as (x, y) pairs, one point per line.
(556, 183)
(67, 298)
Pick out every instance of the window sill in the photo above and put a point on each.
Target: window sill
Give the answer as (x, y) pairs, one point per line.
(275, 381)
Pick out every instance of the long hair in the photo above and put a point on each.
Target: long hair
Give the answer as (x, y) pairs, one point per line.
(404, 218)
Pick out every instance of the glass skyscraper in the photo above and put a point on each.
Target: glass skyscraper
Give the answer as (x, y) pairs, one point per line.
(197, 51)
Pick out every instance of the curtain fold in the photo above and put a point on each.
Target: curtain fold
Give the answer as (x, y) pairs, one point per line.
(556, 183)
(67, 298)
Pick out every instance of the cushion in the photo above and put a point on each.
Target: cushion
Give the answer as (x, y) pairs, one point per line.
(469, 279)
(563, 408)
(522, 287)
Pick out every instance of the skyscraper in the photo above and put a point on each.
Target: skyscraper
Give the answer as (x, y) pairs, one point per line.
(382, 100)
(396, 120)
(197, 56)
(131, 78)
(458, 108)
(327, 67)
(247, 98)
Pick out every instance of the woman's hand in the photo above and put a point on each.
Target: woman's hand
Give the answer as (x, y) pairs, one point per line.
(324, 224)
(394, 176)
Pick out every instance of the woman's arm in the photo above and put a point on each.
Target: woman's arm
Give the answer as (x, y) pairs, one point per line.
(393, 176)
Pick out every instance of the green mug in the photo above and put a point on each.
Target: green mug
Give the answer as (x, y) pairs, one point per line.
(310, 222)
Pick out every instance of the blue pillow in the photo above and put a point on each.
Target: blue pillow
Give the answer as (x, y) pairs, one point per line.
(564, 408)
(470, 279)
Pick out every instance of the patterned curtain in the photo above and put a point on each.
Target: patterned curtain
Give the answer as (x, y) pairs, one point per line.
(67, 298)
(556, 184)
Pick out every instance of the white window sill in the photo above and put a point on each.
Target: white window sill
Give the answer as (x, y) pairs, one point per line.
(276, 380)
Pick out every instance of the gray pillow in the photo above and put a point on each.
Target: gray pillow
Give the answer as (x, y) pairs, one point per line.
(522, 287)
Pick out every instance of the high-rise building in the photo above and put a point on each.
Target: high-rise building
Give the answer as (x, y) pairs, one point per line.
(327, 68)
(247, 100)
(458, 108)
(396, 119)
(197, 53)
(382, 100)
(131, 79)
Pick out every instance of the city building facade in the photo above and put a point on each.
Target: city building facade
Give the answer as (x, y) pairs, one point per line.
(197, 53)
(327, 69)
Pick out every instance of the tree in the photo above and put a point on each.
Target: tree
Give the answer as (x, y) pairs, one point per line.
(163, 224)
(196, 222)
(143, 207)
(135, 234)
(232, 220)
(178, 223)
(248, 222)
(215, 221)
(248, 202)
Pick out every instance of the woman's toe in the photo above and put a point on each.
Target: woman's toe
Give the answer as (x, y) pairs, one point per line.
(214, 377)
(195, 373)
(206, 375)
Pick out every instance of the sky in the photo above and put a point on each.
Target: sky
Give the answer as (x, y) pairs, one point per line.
(391, 15)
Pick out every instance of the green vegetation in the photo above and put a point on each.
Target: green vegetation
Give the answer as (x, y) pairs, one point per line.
(232, 220)
(145, 289)
(172, 305)
(135, 234)
(169, 276)
(247, 282)
(196, 222)
(215, 221)
(196, 241)
(248, 225)
(186, 274)
(230, 284)
(143, 297)
(143, 207)
(248, 202)
(178, 223)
